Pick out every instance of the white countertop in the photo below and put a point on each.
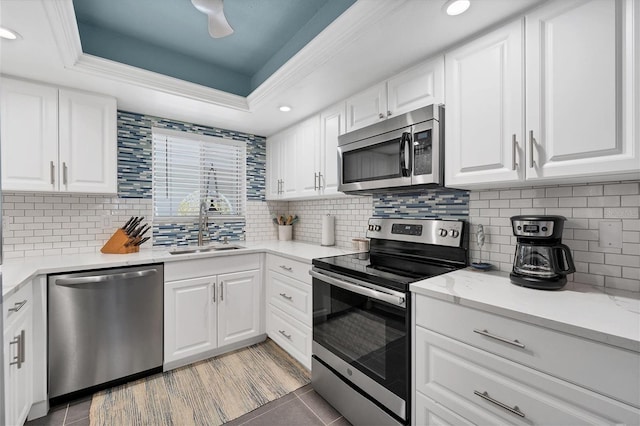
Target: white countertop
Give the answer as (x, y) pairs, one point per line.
(18, 272)
(611, 317)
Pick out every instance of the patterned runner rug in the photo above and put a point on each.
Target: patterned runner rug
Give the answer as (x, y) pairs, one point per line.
(210, 392)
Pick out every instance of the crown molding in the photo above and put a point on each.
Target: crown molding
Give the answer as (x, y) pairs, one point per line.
(333, 39)
(330, 41)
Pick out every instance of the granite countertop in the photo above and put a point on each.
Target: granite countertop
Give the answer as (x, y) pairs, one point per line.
(17, 272)
(607, 316)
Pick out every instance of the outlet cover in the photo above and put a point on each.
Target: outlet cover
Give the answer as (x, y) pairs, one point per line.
(610, 234)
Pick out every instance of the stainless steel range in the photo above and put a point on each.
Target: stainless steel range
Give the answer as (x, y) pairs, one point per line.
(361, 315)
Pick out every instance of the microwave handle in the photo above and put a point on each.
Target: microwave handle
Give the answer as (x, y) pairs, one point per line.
(405, 154)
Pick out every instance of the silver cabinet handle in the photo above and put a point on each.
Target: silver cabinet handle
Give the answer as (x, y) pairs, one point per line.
(286, 268)
(514, 150)
(315, 182)
(288, 336)
(20, 357)
(381, 116)
(214, 292)
(364, 291)
(104, 278)
(52, 171)
(17, 306)
(389, 113)
(64, 173)
(320, 184)
(531, 142)
(485, 395)
(502, 339)
(284, 295)
(222, 291)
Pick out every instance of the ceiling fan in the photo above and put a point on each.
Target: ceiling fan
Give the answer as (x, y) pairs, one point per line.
(218, 25)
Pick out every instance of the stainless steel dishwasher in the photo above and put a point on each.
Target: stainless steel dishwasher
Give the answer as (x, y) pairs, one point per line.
(104, 325)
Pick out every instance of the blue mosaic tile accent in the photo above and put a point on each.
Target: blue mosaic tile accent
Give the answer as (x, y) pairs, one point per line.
(183, 234)
(439, 203)
(135, 153)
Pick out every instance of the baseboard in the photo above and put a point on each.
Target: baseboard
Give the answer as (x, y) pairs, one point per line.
(215, 352)
(38, 409)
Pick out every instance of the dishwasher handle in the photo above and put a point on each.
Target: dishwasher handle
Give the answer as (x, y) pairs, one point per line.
(93, 279)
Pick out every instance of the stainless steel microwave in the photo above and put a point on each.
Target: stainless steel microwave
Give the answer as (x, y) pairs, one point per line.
(403, 151)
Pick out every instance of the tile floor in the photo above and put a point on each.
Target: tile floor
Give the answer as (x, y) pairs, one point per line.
(303, 407)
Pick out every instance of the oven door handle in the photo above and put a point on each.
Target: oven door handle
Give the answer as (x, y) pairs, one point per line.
(364, 291)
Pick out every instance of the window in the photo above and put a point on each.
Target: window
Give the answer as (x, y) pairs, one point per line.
(189, 169)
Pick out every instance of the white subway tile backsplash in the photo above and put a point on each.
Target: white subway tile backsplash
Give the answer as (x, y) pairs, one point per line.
(584, 206)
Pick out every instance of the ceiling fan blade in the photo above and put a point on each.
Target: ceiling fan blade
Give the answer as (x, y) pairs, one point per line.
(218, 24)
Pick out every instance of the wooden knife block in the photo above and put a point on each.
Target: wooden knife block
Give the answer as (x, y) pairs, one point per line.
(116, 244)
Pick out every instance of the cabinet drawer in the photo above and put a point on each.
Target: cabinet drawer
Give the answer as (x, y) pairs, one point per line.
(291, 296)
(291, 335)
(487, 389)
(290, 268)
(429, 412)
(17, 303)
(572, 358)
(208, 266)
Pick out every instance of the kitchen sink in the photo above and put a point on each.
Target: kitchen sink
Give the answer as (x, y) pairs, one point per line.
(204, 249)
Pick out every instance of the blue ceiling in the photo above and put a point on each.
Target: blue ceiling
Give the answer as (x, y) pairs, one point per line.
(171, 37)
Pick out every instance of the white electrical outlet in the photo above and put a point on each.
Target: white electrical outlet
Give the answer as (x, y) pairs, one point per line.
(106, 221)
(610, 234)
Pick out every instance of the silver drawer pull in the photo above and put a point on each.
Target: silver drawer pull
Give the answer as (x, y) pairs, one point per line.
(288, 336)
(502, 339)
(20, 357)
(17, 306)
(285, 296)
(515, 410)
(286, 268)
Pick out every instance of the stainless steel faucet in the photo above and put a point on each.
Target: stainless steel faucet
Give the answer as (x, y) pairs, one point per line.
(203, 221)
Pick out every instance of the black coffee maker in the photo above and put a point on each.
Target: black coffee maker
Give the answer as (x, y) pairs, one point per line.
(541, 260)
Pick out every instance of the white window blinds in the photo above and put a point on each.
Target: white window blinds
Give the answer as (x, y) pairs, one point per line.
(189, 169)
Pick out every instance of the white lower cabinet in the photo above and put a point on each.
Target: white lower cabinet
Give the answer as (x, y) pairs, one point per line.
(289, 306)
(458, 379)
(206, 314)
(18, 360)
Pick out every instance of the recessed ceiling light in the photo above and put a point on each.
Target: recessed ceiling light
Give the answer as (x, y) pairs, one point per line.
(456, 7)
(8, 34)
(285, 108)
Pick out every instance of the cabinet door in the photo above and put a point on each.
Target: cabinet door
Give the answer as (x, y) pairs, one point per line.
(190, 317)
(29, 135)
(274, 164)
(307, 162)
(419, 86)
(580, 89)
(88, 143)
(484, 98)
(18, 380)
(288, 171)
(239, 304)
(429, 412)
(367, 107)
(332, 125)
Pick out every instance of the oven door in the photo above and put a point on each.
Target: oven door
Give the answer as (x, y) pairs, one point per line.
(362, 332)
(381, 161)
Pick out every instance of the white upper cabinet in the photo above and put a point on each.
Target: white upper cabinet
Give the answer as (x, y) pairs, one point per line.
(484, 109)
(88, 142)
(281, 171)
(57, 140)
(332, 125)
(307, 159)
(416, 87)
(580, 89)
(580, 103)
(29, 135)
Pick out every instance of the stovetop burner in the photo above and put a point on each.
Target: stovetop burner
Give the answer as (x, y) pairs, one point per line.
(403, 251)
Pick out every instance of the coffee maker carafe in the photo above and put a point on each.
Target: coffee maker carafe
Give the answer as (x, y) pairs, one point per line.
(541, 260)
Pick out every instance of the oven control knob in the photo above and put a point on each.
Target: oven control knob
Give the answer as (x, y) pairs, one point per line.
(377, 228)
(443, 232)
(370, 227)
(454, 233)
